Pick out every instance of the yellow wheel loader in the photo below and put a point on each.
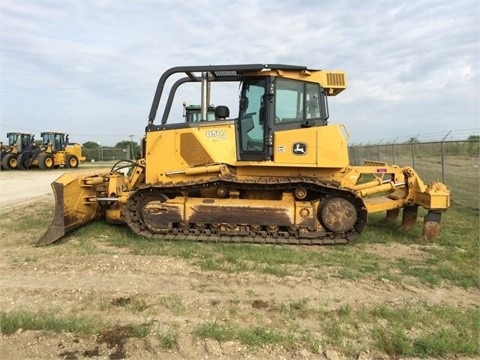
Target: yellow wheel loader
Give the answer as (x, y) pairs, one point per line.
(56, 151)
(193, 113)
(276, 173)
(17, 144)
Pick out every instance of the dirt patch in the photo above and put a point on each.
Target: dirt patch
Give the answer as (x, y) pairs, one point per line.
(398, 251)
(115, 338)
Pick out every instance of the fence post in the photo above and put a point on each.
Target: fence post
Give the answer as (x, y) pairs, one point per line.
(393, 150)
(442, 148)
(413, 154)
(393, 154)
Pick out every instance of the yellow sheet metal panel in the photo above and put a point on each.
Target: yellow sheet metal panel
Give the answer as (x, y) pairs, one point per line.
(297, 147)
(324, 147)
(332, 150)
(156, 160)
(207, 143)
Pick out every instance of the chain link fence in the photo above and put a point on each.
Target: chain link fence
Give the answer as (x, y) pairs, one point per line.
(455, 163)
(105, 153)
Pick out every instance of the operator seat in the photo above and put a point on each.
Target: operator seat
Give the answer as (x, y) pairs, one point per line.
(222, 112)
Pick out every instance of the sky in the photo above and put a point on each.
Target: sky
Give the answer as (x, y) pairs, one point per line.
(90, 68)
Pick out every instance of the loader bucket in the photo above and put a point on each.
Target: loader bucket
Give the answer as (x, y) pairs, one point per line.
(75, 205)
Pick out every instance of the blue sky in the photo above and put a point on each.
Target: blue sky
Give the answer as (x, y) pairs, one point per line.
(90, 68)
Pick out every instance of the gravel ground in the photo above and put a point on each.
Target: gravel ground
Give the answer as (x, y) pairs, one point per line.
(22, 187)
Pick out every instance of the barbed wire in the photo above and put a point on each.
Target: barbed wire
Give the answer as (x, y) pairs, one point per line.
(459, 134)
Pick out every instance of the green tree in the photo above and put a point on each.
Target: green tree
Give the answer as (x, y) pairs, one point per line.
(90, 145)
(91, 150)
(130, 146)
(412, 140)
(473, 145)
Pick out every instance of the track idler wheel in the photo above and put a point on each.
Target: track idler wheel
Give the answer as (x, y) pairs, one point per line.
(337, 214)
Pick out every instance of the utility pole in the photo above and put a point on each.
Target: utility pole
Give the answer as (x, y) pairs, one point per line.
(132, 147)
(99, 151)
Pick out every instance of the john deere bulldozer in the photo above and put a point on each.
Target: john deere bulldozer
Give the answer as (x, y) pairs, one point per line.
(276, 173)
(56, 151)
(17, 144)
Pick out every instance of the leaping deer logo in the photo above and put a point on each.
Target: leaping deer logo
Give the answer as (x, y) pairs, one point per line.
(299, 148)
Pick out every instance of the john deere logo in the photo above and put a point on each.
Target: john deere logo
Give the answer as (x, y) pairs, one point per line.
(299, 148)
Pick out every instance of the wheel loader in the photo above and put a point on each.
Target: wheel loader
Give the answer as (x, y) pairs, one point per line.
(193, 113)
(17, 143)
(56, 151)
(276, 173)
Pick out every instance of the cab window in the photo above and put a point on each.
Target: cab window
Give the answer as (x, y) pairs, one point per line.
(296, 101)
(252, 116)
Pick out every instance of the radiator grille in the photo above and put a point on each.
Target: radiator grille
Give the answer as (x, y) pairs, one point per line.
(192, 151)
(335, 79)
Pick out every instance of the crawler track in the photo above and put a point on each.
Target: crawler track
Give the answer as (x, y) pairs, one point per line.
(138, 219)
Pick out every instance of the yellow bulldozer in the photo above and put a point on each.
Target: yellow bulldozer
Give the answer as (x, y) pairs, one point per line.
(276, 173)
(56, 151)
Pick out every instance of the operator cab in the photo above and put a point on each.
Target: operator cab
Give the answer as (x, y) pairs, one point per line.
(272, 98)
(22, 141)
(273, 104)
(57, 140)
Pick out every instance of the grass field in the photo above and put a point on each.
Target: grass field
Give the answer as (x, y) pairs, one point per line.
(437, 322)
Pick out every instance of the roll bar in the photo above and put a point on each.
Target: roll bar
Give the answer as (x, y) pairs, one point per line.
(216, 73)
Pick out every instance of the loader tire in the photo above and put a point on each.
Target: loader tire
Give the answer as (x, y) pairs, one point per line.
(46, 161)
(9, 162)
(72, 162)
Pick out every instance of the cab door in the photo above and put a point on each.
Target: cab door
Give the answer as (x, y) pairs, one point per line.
(252, 121)
(300, 111)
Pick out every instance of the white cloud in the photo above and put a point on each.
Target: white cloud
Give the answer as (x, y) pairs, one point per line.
(93, 66)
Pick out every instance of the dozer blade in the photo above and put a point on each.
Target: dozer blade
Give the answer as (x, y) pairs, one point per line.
(75, 205)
